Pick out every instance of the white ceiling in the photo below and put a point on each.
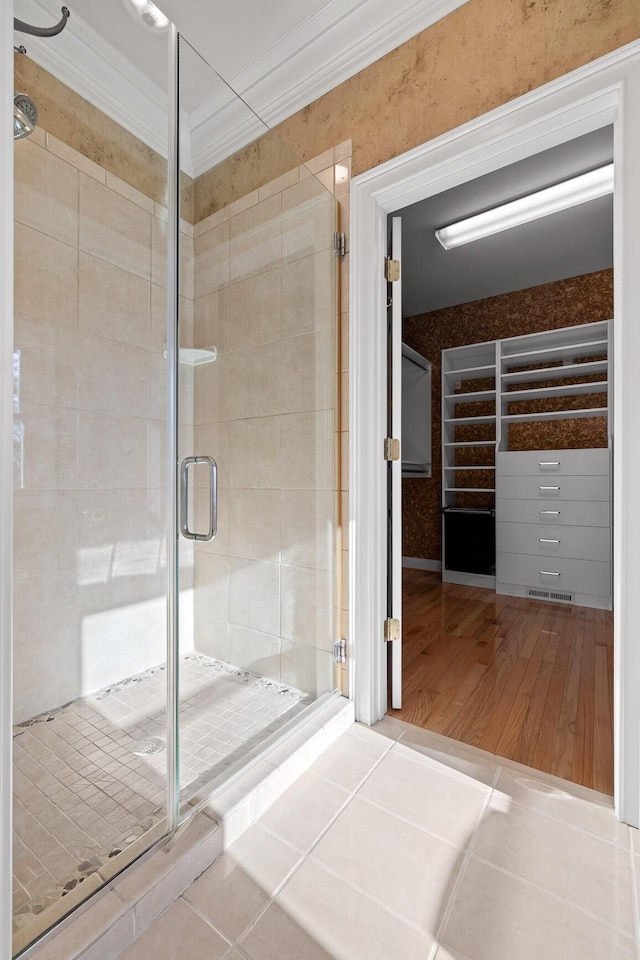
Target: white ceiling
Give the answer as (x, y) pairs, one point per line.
(278, 55)
(566, 244)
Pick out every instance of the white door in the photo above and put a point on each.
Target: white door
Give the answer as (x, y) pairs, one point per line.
(394, 467)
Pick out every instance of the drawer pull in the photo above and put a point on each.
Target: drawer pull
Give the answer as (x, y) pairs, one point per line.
(547, 540)
(548, 488)
(548, 463)
(549, 573)
(554, 513)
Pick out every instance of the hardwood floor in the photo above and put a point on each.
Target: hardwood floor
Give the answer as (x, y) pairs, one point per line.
(525, 679)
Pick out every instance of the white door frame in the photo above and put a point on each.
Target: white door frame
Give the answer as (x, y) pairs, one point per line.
(603, 92)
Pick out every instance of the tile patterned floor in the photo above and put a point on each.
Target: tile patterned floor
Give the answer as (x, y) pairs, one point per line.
(80, 793)
(399, 844)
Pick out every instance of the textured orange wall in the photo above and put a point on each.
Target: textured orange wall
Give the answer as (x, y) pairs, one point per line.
(549, 306)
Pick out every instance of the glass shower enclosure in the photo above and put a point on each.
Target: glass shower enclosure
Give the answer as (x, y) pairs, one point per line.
(175, 470)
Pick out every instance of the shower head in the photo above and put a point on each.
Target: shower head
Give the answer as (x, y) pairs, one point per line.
(25, 116)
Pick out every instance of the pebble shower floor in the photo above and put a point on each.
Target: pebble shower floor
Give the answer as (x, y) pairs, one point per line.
(81, 793)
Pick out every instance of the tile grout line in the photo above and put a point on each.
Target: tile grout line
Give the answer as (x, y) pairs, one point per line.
(543, 813)
(634, 891)
(446, 916)
(306, 853)
(556, 896)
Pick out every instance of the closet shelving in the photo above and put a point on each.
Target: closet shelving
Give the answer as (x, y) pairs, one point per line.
(488, 387)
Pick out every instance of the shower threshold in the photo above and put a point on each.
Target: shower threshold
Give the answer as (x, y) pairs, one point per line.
(85, 789)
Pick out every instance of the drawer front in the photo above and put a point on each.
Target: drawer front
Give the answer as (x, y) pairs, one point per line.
(547, 540)
(554, 573)
(552, 488)
(524, 463)
(588, 513)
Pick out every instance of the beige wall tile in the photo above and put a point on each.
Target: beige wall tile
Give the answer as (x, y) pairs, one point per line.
(307, 528)
(50, 446)
(114, 229)
(255, 240)
(307, 451)
(308, 219)
(254, 595)
(187, 265)
(211, 391)
(254, 447)
(212, 440)
(254, 524)
(214, 220)
(258, 652)
(113, 378)
(211, 637)
(306, 608)
(46, 192)
(78, 160)
(254, 310)
(280, 183)
(159, 251)
(45, 644)
(211, 260)
(48, 362)
(321, 162)
(46, 277)
(211, 586)
(254, 382)
(113, 303)
(112, 451)
(158, 318)
(44, 533)
(211, 320)
(307, 380)
(241, 204)
(308, 294)
(130, 193)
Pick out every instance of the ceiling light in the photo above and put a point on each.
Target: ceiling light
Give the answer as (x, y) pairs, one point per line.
(147, 12)
(569, 193)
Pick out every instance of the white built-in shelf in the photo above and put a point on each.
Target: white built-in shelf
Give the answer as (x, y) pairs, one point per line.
(555, 415)
(561, 390)
(570, 350)
(468, 421)
(476, 395)
(550, 358)
(551, 373)
(469, 490)
(472, 373)
(472, 443)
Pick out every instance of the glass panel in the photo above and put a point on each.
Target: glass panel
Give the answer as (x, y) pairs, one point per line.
(260, 375)
(89, 590)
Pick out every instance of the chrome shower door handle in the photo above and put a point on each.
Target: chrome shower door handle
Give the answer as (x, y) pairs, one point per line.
(184, 499)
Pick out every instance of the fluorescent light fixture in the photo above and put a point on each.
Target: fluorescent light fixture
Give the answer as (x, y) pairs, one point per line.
(569, 193)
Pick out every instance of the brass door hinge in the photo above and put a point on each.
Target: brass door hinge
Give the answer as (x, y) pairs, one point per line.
(391, 449)
(391, 630)
(391, 270)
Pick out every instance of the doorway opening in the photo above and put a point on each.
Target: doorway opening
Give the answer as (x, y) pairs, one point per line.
(507, 424)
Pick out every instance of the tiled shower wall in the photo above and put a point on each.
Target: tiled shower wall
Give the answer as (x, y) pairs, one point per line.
(265, 282)
(89, 516)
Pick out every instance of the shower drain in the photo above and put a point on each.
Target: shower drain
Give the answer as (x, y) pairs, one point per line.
(144, 748)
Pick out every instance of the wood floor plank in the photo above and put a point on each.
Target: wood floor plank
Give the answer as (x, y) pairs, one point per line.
(527, 679)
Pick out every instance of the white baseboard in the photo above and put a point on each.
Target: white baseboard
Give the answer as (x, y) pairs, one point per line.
(417, 563)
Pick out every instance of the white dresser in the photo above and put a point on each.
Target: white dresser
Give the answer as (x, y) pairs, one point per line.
(553, 530)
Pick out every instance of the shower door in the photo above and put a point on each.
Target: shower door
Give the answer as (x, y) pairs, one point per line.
(90, 495)
(258, 376)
